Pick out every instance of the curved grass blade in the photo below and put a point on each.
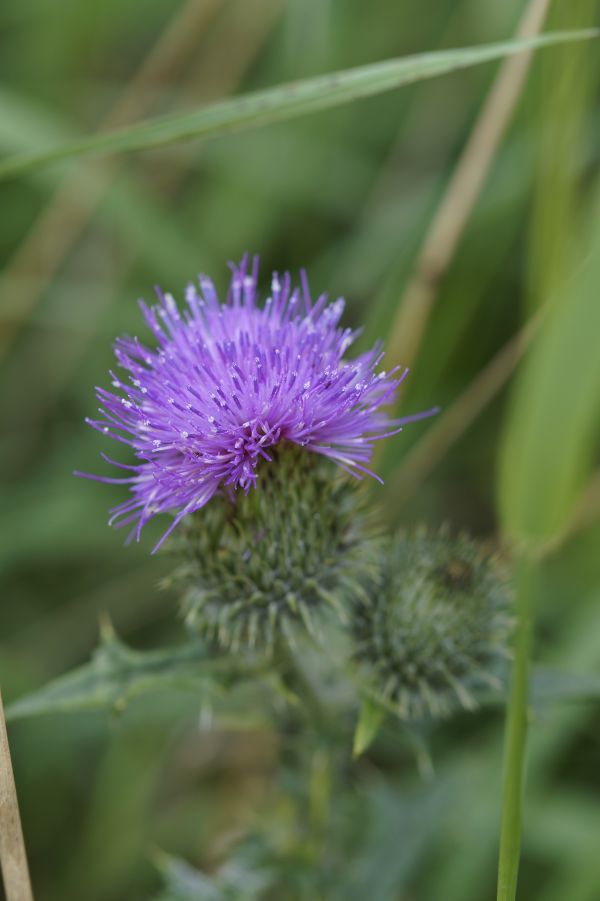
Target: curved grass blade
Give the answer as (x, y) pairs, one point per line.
(284, 102)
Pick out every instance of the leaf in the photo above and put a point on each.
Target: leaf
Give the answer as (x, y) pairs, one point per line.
(397, 827)
(237, 880)
(553, 422)
(284, 101)
(116, 674)
(370, 718)
(552, 686)
(184, 883)
(549, 686)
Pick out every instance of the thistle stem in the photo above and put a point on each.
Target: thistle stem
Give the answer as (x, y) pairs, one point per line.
(295, 681)
(516, 734)
(13, 859)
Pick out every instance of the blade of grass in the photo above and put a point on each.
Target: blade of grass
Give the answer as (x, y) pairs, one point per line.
(560, 105)
(285, 101)
(460, 197)
(462, 877)
(541, 472)
(516, 731)
(586, 511)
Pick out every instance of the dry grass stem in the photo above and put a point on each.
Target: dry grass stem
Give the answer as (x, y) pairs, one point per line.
(452, 215)
(13, 858)
(451, 424)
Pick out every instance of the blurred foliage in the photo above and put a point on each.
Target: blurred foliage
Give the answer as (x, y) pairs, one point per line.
(348, 193)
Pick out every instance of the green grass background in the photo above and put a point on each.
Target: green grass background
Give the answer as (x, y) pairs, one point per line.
(348, 194)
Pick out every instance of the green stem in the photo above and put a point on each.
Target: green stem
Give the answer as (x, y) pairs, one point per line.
(295, 681)
(516, 734)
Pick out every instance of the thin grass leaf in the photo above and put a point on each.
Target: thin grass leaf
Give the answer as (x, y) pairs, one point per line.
(553, 422)
(285, 101)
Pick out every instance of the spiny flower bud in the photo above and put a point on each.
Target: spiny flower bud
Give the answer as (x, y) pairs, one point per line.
(260, 562)
(437, 630)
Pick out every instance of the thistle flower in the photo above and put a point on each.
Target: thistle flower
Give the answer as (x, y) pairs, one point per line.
(437, 630)
(229, 382)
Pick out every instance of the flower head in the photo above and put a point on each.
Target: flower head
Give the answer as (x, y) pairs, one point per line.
(291, 555)
(228, 381)
(436, 632)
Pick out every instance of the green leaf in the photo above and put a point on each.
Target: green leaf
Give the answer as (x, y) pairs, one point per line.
(285, 101)
(237, 880)
(184, 883)
(548, 686)
(554, 419)
(370, 718)
(116, 674)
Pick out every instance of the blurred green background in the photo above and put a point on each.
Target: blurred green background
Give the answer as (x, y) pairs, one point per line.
(349, 194)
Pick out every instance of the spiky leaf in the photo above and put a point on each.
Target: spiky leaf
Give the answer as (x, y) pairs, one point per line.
(116, 674)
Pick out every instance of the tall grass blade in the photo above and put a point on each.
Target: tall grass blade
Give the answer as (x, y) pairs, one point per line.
(286, 101)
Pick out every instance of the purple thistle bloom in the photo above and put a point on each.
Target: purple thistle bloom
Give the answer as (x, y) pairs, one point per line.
(229, 381)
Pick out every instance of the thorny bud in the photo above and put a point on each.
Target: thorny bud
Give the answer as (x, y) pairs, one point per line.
(258, 563)
(438, 629)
